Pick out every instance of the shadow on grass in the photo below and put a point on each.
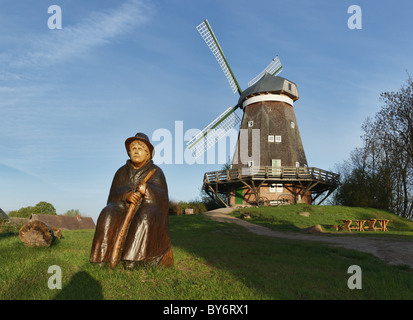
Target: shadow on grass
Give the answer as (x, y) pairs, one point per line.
(268, 221)
(256, 261)
(81, 287)
(6, 235)
(279, 268)
(279, 225)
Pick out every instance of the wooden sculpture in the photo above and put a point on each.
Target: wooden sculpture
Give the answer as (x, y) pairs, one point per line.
(133, 227)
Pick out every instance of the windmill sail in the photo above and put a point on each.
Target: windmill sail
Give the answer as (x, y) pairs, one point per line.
(273, 68)
(207, 34)
(213, 132)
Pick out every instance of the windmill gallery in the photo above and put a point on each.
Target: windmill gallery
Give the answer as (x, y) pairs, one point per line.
(269, 165)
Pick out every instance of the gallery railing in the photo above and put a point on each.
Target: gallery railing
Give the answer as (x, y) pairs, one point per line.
(272, 173)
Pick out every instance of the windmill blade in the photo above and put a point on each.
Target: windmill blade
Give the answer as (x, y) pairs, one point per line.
(207, 34)
(274, 68)
(213, 132)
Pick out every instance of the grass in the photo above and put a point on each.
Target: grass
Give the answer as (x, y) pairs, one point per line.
(286, 218)
(213, 261)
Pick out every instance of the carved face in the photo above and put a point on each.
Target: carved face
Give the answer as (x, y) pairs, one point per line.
(139, 153)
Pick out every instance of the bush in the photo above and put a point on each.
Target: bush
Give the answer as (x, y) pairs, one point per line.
(173, 207)
(177, 208)
(6, 226)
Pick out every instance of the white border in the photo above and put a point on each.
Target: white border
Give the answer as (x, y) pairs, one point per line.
(268, 97)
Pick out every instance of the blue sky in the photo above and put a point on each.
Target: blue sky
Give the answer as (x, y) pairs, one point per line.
(70, 97)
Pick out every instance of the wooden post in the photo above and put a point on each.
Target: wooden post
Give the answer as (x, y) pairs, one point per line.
(216, 194)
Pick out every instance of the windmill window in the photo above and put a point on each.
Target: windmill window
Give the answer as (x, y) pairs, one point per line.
(250, 124)
(289, 87)
(292, 124)
(270, 138)
(279, 188)
(272, 187)
(297, 164)
(277, 138)
(250, 163)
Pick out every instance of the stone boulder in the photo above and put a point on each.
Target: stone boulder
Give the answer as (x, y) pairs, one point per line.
(314, 229)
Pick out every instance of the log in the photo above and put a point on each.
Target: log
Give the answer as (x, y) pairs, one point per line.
(36, 234)
(57, 232)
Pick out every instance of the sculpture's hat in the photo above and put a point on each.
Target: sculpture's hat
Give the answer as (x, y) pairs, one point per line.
(141, 137)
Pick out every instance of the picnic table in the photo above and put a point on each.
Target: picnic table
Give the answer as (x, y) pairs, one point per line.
(358, 225)
(382, 224)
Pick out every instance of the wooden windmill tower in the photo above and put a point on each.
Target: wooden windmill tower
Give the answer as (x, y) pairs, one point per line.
(269, 166)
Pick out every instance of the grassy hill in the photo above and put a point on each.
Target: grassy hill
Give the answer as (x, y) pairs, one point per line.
(214, 261)
(287, 218)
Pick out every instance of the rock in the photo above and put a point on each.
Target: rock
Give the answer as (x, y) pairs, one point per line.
(245, 216)
(314, 229)
(304, 214)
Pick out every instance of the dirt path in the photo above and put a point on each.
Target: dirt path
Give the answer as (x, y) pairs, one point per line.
(392, 251)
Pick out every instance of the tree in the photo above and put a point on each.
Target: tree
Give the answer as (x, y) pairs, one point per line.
(380, 174)
(42, 207)
(395, 121)
(72, 213)
(21, 213)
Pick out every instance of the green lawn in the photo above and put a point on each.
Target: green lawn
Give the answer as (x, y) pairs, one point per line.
(213, 260)
(287, 218)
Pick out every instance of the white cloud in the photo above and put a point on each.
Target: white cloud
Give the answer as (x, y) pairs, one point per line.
(32, 119)
(75, 40)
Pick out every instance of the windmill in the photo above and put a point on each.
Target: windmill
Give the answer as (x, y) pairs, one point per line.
(226, 121)
(279, 173)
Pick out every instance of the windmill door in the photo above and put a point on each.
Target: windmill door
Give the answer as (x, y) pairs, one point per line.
(239, 195)
(276, 166)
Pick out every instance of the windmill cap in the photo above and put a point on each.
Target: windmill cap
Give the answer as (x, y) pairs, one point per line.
(271, 84)
(141, 137)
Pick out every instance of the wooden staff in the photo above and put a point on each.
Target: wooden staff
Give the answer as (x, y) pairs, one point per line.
(114, 260)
